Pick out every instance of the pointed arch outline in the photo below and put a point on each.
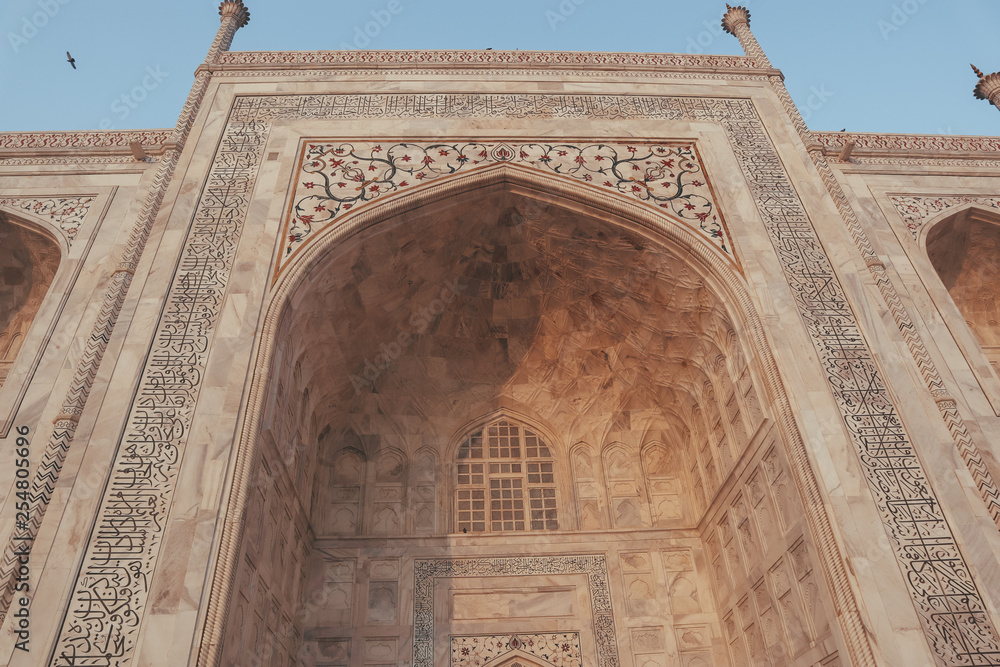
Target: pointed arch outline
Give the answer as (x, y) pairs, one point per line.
(386, 452)
(35, 340)
(37, 224)
(552, 441)
(591, 192)
(951, 314)
(726, 283)
(975, 210)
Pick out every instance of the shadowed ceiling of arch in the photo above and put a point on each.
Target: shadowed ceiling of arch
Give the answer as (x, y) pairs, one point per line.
(28, 263)
(584, 325)
(965, 251)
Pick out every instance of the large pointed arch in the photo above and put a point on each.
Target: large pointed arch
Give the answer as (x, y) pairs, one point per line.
(721, 278)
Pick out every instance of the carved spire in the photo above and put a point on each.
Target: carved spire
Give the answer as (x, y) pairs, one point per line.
(976, 70)
(736, 22)
(234, 15)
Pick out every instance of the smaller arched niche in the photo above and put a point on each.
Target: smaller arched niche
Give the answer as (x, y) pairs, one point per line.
(965, 252)
(28, 263)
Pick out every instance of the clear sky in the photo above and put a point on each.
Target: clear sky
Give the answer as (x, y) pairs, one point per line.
(864, 65)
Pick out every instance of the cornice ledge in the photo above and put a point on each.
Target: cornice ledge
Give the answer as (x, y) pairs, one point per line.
(482, 59)
(927, 146)
(96, 142)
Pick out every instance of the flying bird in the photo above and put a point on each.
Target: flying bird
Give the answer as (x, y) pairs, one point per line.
(70, 60)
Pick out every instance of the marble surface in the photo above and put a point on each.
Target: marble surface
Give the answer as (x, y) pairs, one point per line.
(703, 459)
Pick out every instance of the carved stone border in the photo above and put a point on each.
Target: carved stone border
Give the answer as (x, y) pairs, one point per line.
(591, 60)
(102, 620)
(595, 567)
(563, 648)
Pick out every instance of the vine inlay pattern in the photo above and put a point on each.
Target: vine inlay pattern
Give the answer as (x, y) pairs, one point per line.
(67, 213)
(917, 210)
(337, 177)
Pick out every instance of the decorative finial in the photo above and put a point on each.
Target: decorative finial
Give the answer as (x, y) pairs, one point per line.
(987, 87)
(734, 16)
(235, 8)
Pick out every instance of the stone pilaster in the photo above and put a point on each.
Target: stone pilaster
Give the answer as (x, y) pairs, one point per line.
(234, 16)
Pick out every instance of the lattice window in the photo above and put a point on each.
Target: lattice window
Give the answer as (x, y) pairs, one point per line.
(506, 481)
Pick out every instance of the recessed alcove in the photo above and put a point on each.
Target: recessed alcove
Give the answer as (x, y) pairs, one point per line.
(592, 372)
(965, 251)
(28, 263)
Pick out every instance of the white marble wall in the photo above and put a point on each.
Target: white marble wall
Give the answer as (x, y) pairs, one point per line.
(753, 555)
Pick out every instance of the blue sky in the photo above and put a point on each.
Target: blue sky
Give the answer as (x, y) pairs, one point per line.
(864, 65)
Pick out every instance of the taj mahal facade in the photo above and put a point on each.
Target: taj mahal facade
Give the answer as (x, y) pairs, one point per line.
(499, 359)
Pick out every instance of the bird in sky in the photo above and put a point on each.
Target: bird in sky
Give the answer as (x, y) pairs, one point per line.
(70, 60)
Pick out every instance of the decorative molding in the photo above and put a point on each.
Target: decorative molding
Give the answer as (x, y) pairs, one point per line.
(66, 213)
(916, 210)
(560, 649)
(334, 177)
(923, 162)
(74, 160)
(595, 568)
(833, 142)
(78, 140)
(227, 72)
(468, 59)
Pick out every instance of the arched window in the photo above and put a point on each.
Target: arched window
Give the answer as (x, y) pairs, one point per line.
(506, 480)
